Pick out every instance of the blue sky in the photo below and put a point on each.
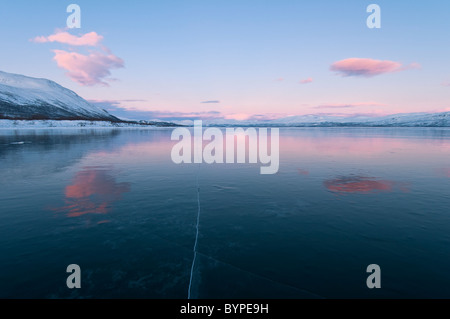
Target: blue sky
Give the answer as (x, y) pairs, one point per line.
(250, 57)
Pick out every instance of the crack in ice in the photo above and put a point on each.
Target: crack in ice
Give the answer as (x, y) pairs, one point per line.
(196, 235)
(304, 291)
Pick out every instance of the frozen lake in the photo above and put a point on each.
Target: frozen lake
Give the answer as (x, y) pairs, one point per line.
(113, 202)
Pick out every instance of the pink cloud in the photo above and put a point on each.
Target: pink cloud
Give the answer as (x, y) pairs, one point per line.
(267, 116)
(88, 70)
(306, 81)
(347, 105)
(368, 67)
(88, 39)
(238, 117)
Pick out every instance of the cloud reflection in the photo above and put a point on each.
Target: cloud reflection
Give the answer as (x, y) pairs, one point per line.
(302, 171)
(93, 191)
(443, 172)
(358, 184)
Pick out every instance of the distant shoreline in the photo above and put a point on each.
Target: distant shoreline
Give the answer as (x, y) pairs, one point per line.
(86, 124)
(79, 124)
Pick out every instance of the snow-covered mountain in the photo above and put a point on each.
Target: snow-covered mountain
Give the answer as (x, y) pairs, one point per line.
(321, 120)
(407, 119)
(27, 98)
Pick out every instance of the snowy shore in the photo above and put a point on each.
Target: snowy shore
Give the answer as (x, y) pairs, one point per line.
(46, 124)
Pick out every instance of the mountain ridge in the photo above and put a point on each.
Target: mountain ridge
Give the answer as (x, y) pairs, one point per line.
(28, 98)
(423, 119)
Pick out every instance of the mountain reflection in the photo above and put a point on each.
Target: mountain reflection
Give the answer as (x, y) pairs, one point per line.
(358, 184)
(93, 191)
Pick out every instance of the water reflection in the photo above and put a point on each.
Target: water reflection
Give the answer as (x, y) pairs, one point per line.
(447, 172)
(260, 236)
(358, 184)
(44, 153)
(443, 172)
(93, 191)
(302, 172)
